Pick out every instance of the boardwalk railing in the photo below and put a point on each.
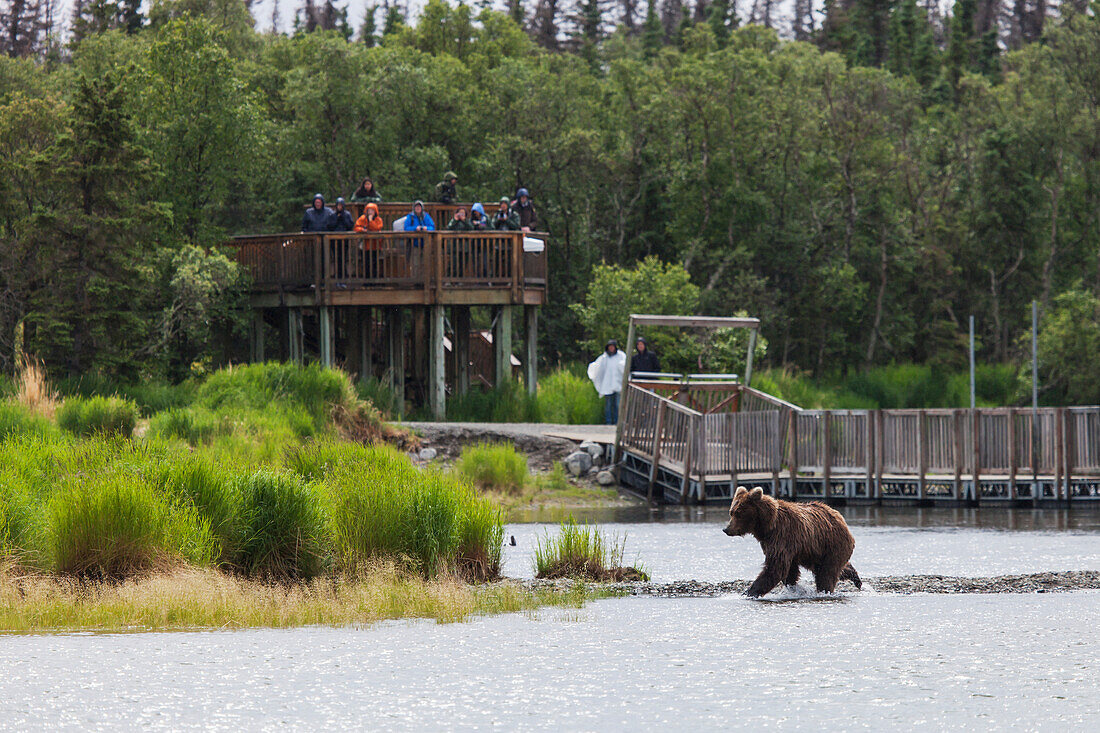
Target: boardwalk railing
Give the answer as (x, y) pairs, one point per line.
(714, 433)
(425, 260)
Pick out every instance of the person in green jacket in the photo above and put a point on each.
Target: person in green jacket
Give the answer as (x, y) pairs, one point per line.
(446, 191)
(505, 220)
(460, 223)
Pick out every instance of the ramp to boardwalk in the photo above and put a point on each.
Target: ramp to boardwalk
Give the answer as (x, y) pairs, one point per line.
(690, 439)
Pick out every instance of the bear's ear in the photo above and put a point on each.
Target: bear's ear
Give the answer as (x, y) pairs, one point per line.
(741, 491)
(756, 493)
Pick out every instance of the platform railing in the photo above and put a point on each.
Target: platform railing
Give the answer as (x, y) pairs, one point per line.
(403, 260)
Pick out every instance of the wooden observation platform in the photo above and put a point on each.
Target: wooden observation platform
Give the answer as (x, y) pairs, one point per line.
(389, 303)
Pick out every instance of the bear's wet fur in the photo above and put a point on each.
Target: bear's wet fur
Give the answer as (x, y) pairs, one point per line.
(813, 536)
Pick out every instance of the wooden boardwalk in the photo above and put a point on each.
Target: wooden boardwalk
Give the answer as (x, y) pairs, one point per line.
(685, 441)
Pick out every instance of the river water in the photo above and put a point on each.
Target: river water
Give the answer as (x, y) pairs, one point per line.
(860, 660)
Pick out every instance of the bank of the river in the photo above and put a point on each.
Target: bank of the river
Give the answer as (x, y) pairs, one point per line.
(190, 598)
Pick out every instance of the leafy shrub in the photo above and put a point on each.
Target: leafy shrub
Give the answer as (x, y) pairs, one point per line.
(582, 551)
(493, 467)
(115, 525)
(282, 527)
(98, 415)
(569, 399)
(195, 425)
(16, 419)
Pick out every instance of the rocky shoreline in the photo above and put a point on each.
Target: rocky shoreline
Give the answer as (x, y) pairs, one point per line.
(1054, 582)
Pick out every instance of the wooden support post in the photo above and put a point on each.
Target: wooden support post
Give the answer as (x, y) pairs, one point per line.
(531, 348)
(976, 454)
(461, 315)
(353, 355)
(325, 335)
(922, 457)
(1059, 437)
(437, 393)
(395, 358)
(655, 454)
(827, 455)
(957, 429)
(419, 340)
(296, 335)
(256, 334)
(502, 345)
(1067, 453)
(366, 343)
(1013, 458)
(792, 438)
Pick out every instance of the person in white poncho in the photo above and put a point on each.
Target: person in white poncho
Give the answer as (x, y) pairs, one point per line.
(606, 374)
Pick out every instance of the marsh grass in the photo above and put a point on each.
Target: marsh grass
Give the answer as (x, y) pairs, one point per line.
(34, 392)
(493, 467)
(98, 416)
(193, 425)
(508, 402)
(282, 532)
(583, 551)
(16, 419)
(190, 598)
(568, 398)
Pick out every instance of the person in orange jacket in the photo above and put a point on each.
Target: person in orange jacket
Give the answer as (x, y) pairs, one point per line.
(370, 221)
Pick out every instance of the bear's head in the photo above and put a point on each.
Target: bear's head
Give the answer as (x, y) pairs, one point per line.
(751, 512)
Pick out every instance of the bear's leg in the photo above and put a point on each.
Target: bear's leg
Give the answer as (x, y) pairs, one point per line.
(826, 575)
(792, 574)
(774, 569)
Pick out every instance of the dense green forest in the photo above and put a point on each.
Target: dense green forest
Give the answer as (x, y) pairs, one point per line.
(862, 182)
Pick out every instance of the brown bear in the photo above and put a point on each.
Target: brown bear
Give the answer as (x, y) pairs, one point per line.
(812, 535)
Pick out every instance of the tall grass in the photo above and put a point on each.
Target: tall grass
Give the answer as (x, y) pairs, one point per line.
(569, 398)
(214, 494)
(151, 397)
(117, 526)
(582, 551)
(383, 507)
(310, 390)
(493, 467)
(17, 419)
(33, 391)
(378, 393)
(194, 425)
(98, 416)
(508, 402)
(282, 527)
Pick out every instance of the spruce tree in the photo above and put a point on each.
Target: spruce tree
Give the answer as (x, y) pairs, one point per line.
(719, 17)
(652, 32)
(911, 49)
(369, 27)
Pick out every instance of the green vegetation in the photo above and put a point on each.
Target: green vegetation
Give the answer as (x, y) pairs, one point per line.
(582, 551)
(862, 191)
(493, 467)
(98, 416)
(569, 398)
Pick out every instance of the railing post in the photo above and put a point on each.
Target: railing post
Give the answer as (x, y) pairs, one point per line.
(517, 247)
(880, 452)
(1067, 452)
(655, 454)
(689, 451)
(957, 424)
(792, 438)
(1013, 458)
(976, 490)
(922, 458)
(319, 261)
(827, 455)
(869, 451)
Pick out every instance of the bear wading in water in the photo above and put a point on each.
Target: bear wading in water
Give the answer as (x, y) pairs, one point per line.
(813, 536)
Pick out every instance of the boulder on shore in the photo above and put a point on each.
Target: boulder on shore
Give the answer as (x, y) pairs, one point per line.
(593, 449)
(427, 454)
(578, 462)
(605, 478)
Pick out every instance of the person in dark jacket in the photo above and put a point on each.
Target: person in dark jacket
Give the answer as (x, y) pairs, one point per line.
(446, 191)
(505, 220)
(478, 221)
(366, 192)
(460, 223)
(644, 360)
(523, 207)
(341, 217)
(317, 218)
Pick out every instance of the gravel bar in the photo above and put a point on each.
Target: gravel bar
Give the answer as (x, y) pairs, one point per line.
(1057, 582)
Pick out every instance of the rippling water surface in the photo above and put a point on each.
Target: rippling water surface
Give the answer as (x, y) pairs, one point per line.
(864, 661)
(857, 661)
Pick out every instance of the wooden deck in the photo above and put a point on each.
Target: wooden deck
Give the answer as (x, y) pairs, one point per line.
(394, 268)
(687, 442)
